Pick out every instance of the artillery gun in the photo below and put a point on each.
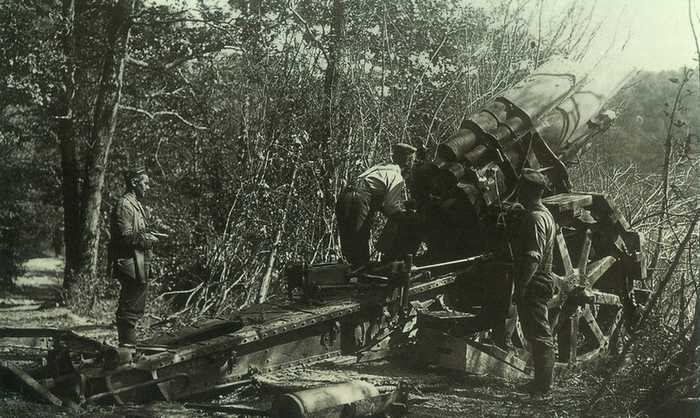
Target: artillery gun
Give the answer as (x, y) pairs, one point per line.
(465, 196)
(462, 197)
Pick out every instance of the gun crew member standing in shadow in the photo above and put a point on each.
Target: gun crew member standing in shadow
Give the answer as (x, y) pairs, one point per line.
(534, 285)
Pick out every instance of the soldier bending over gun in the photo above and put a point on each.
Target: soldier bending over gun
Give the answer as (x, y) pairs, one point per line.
(381, 187)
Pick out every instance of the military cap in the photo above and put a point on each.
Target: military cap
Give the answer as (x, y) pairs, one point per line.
(134, 171)
(403, 149)
(532, 176)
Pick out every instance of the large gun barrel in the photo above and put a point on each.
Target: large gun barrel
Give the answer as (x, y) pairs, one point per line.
(541, 122)
(547, 117)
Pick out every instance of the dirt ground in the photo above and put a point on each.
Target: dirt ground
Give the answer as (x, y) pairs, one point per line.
(433, 393)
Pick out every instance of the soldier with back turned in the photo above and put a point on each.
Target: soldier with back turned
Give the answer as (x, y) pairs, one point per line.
(381, 187)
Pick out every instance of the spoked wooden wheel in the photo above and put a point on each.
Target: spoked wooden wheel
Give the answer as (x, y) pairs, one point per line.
(591, 280)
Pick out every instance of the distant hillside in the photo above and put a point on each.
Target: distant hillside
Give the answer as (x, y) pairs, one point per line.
(643, 107)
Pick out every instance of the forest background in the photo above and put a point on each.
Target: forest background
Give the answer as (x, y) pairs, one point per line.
(251, 115)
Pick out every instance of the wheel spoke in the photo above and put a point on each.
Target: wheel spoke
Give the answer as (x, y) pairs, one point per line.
(521, 335)
(568, 335)
(592, 324)
(616, 322)
(564, 254)
(597, 269)
(591, 291)
(583, 256)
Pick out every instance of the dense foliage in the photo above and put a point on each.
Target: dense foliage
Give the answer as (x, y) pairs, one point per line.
(251, 116)
(29, 201)
(254, 141)
(248, 133)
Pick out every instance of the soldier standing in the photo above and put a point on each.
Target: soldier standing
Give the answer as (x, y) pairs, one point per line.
(381, 187)
(129, 246)
(534, 286)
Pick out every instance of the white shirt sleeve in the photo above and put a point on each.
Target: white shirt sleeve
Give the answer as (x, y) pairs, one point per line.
(395, 196)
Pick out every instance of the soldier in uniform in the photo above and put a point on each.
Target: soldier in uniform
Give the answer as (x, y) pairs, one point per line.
(534, 286)
(381, 187)
(129, 246)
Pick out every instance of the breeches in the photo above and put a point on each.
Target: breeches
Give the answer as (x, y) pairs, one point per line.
(354, 219)
(533, 311)
(132, 300)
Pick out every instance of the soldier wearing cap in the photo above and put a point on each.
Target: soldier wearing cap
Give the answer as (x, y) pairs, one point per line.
(129, 246)
(534, 286)
(381, 187)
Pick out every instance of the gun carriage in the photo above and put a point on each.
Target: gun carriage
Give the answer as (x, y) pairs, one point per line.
(464, 202)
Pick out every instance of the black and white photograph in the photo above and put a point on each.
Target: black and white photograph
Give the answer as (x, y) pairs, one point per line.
(349, 208)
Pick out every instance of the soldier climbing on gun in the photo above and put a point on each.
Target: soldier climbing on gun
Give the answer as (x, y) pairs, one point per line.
(381, 187)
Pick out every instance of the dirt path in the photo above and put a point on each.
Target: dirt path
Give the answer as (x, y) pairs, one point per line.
(30, 304)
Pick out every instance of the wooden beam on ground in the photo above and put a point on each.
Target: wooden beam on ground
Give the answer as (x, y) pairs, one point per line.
(75, 342)
(6, 332)
(18, 380)
(461, 354)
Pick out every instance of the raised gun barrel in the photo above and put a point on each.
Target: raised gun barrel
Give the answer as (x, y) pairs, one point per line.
(541, 122)
(547, 117)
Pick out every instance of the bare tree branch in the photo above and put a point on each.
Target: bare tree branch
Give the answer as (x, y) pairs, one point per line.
(309, 32)
(695, 36)
(153, 115)
(180, 60)
(668, 149)
(137, 62)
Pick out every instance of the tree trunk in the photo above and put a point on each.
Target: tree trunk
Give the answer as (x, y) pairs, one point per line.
(65, 135)
(695, 343)
(101, 133)
(330, 83)
(335, 49)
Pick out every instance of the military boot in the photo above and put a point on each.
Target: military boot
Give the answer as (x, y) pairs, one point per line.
(126, 333)
(543, 362)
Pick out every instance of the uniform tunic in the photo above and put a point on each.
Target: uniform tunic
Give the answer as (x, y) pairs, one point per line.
(380, 187)
(128, 257)
(535, 241)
